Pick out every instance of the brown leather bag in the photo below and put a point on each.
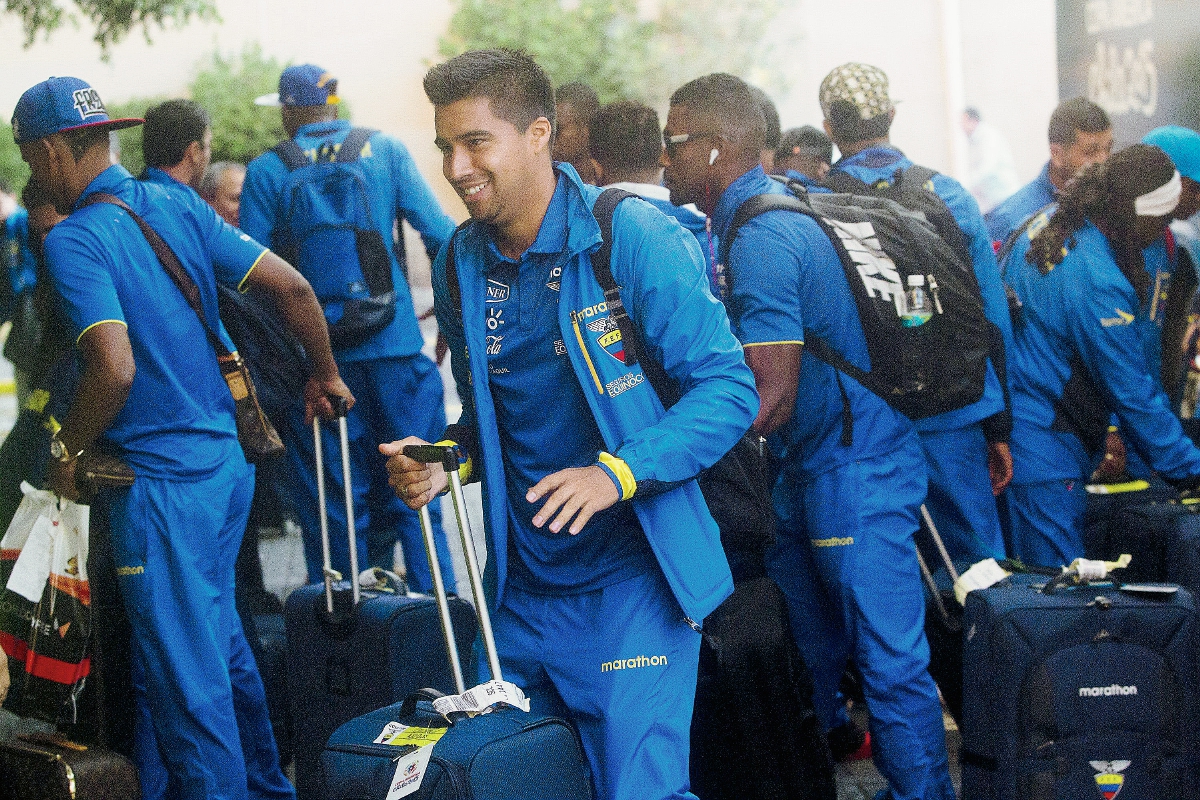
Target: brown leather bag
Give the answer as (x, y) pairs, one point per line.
(46, 767)
(257, 435)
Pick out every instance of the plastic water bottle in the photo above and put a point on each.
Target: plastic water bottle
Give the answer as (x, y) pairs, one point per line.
(917, 307)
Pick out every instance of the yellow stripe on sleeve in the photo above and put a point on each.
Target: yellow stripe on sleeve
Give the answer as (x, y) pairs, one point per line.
(94, 324)
(242, 287)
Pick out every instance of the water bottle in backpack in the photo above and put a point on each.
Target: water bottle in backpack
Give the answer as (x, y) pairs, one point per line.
(918, 309)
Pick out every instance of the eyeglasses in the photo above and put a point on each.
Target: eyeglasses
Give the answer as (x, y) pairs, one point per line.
(671, 143)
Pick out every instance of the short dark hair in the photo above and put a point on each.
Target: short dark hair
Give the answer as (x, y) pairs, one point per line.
(1075, 116)
(728, 100)
(771, 116)
(82, 140)
(805, 141)
(579, 96)
(170, 128)
(971, 112)
(849, 127)
(624, 137)
(35, 195)
(517, 89)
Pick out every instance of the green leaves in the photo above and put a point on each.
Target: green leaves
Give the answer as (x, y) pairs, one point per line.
(226, 87)
(627, 49)
(112, 19)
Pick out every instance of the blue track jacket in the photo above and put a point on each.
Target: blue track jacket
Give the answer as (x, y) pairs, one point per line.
(1030, 198)
(666, 294)
(1080, 321)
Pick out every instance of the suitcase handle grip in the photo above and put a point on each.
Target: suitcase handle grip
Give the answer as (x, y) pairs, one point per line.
(341, 406)
(445, 455)
(409, 706)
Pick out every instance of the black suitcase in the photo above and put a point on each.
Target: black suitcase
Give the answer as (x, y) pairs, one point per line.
(38, 767)
(352, 651)
(1087, 691)
(754, 730)
(1109, 531)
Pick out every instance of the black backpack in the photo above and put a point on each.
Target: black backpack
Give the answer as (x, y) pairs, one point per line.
(331, 237)
(921, 371)
(737, 489)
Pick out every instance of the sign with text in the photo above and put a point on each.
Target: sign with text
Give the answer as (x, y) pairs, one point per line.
(1138, 59)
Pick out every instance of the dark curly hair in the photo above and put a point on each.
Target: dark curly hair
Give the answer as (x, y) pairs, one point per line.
(1104, 193)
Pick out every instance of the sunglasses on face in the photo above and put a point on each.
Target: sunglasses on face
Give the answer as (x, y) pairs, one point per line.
(671, 143)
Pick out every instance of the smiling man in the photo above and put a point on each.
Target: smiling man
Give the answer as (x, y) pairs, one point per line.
(603, 552)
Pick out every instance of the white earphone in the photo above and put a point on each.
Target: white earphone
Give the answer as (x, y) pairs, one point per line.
(712, 156)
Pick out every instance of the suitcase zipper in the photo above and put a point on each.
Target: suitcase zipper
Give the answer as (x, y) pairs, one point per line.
(390, 752)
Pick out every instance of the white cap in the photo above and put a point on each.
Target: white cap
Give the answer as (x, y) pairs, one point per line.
(916, 280)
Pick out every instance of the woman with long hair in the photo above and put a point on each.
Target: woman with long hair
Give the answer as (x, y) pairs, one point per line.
(1079, 355)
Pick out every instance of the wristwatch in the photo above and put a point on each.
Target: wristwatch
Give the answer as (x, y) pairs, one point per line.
(59, 451)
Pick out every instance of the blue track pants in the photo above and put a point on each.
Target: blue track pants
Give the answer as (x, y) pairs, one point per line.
(960, 499)
(202, 729)
(1047, 521)
(620, 663)
(847, 564)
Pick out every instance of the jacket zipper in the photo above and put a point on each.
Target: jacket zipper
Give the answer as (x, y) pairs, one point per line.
(586, 357)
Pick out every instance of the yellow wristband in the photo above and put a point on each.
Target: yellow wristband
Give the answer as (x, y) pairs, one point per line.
(622, 471)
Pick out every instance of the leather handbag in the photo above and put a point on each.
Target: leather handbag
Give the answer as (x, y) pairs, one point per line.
(256, 434)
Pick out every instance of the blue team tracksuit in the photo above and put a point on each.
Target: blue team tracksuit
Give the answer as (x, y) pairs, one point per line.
(1084, 328)
(845, 558)
(1002, 220)
(960, 497)
(600, 623)
(202, 728)
(398, 391)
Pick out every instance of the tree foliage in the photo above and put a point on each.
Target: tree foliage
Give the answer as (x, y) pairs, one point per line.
(111, 19)
(628, 49)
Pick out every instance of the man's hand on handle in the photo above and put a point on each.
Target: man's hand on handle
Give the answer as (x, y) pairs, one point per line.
(414, 483)
(316, 397)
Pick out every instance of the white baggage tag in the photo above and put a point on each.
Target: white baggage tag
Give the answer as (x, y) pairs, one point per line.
(410, 770)
(481, 699)
(980, 576)
(389, 730)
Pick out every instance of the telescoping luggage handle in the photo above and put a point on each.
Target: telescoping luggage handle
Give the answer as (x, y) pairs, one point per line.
(448, 458)
(928, 576)
(340, 409)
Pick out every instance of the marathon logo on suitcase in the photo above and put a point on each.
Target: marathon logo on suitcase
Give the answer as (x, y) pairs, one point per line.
(1109, 778)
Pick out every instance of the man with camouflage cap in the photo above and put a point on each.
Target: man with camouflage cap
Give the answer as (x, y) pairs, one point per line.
(966, 449)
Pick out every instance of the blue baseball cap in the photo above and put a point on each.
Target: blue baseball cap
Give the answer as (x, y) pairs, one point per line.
(1181, 144)
(61, 104)
(303, 85)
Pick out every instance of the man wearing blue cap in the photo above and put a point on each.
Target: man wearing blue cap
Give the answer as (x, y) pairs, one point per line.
(330, 198)
(152, 391)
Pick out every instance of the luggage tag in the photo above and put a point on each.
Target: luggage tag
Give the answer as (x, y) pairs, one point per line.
(1159, 591)
(482, 699)
(980, 576)
(410, 771)
(1117, 488)
(399, 735)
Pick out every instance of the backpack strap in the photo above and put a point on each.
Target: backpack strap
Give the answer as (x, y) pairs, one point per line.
(1011, 240)
(291, 154)
(603, 210)
(842, 182)
(353, 145)
(911, 181)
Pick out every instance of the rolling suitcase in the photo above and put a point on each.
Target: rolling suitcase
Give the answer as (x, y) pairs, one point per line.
(1107, 528)
(1163, 538)
(1084, 691)
(505, 754)
(350, 651)
(43, 767)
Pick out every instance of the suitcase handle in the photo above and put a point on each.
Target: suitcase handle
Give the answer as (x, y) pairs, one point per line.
(409, 706)
(341, 408)
(447, 456)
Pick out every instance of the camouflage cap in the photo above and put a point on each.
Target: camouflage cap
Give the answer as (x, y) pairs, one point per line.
(863, 86)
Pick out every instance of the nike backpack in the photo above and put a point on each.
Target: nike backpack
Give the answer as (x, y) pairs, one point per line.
(331, 237)
(921, 371)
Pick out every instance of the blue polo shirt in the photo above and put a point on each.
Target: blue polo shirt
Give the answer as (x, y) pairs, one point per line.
(880, 163)
(788, 282)
(178, 419)
(396, 191)
(1004, 218)
(1084, 315)
(545, 422)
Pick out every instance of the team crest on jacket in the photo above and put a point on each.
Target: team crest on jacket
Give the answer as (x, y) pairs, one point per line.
(610, 337)
(1109, 778)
